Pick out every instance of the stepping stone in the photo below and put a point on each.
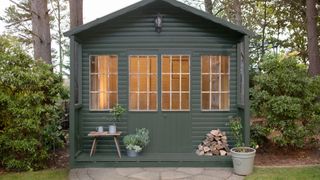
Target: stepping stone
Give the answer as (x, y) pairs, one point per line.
(128, 171)
(146, 175)
(192, 171)
(173, 175)
(223, 173)
(205, 177)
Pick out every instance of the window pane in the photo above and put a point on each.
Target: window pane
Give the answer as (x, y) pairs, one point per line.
(166, 64)
(175, 64)
(103, 101)
(224, 82)
(143, 101)
(94, 64)
(94, 83)
(153, 101)
(113, 99)
(205, 64)
(185, 83)
(133, 83)
(143, 83)
(153, 82)
(103, 82)
(143, 64)
(225, 101)
(133, 64)
(133, 101)
(224, 64)
(165, 101)
(175, 83)
(113, 64)
(215, 64)
(185, 101)
(215, 83)
(214, 101)
(94, 100)
(205, 101)
(175, 101)
(103, 65)
(113, 82)
(205, 82)
(185, 64)
(165, 82)
(153, 64)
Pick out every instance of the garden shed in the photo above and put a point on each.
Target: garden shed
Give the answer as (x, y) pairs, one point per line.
(180, 72)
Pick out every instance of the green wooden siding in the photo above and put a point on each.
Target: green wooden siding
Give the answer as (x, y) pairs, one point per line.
(183, 33)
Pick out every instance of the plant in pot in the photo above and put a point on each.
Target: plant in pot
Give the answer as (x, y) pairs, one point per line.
(242, 157)
(117, 111)
(136, 142)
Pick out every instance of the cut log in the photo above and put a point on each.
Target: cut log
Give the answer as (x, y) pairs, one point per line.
(214, 144)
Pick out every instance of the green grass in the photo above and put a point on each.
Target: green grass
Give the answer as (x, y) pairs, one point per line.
(53, 174)
(294, 173)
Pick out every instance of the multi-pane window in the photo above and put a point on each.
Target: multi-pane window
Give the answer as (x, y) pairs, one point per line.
(175, 82)
(215, 77)
(143, 83)
(103, 82)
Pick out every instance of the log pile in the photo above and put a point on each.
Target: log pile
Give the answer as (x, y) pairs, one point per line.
(215, 144)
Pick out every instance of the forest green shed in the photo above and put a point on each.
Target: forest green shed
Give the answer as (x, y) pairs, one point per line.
(179, 72)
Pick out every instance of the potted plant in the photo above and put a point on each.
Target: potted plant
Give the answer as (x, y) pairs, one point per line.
(136, 142)
(116, 112)
(242, 157)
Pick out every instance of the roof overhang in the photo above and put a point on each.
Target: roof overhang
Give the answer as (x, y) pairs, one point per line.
(174, 3)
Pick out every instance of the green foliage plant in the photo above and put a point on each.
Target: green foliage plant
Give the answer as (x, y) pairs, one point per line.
(288, 98)
(117, 111)
(29, 106)
(137, 141)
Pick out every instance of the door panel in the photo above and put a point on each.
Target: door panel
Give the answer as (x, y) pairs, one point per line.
(166, 80)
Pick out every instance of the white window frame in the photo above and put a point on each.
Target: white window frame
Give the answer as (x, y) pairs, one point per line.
(108, 76)
(220, 92)
(180, 87)
(148, 92)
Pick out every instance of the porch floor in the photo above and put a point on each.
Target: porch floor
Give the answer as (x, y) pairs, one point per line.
(153, 160)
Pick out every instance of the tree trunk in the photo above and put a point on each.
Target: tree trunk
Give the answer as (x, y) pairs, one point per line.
(41, 30)
(313, 49)
(237, 11)
(208, 5)
(76, 13)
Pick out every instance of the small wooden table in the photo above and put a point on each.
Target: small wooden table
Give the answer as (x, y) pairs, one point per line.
(104, 134)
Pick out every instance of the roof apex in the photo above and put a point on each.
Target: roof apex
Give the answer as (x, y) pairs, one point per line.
(174, 3)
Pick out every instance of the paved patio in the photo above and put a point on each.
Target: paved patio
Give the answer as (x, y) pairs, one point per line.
(153, 174)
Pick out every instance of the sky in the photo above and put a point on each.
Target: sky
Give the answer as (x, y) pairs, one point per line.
(92, 9)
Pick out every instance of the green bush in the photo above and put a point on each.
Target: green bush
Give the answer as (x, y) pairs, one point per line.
(29, 106)
(287, 96)
(137, 141)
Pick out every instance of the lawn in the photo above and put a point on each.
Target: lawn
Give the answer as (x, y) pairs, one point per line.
(294, 173)
(55, 174)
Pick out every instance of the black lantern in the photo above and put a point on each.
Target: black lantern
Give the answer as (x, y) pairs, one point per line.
(158, 23)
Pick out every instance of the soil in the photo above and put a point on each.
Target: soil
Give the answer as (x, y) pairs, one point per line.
(275, 156)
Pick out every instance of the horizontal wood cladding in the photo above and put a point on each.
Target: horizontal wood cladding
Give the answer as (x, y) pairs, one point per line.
(182, 33)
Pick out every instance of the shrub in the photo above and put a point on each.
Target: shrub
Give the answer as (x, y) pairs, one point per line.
(287, 96)
(29, 107)
(137, 141)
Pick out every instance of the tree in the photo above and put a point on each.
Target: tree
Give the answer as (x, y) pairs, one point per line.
(208, 6)
(76, 13)
(313, 48)
(41, 30)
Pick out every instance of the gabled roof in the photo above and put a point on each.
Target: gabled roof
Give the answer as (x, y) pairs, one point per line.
(174, 3)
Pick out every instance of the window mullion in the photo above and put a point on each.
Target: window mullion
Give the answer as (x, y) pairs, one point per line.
(170, 83)
(108, 79)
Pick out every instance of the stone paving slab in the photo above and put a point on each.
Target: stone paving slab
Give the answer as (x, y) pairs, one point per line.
(153, 174)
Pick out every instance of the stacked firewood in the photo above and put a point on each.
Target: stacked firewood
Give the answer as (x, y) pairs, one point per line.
(215, 144)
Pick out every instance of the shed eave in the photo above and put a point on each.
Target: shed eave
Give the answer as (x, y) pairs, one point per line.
(174, 3)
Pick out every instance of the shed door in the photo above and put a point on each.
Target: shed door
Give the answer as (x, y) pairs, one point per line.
(159, 99)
